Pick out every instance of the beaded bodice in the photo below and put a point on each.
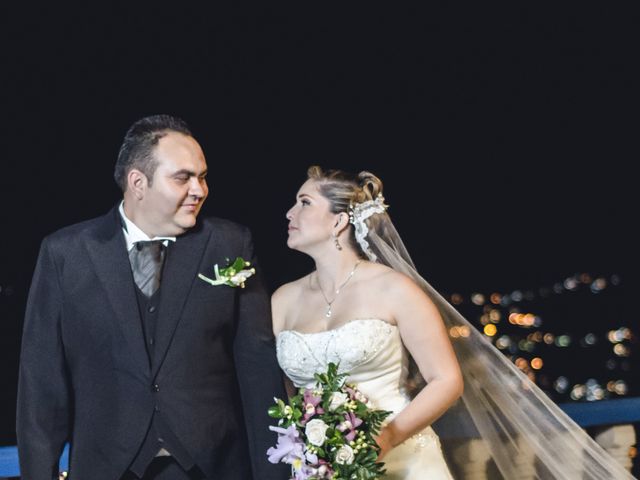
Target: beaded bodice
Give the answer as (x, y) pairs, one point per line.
(369, 349)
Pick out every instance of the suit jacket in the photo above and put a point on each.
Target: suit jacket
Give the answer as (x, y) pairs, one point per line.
(85, 376)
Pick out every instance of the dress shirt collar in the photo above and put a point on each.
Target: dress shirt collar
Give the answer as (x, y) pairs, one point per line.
(133, 234)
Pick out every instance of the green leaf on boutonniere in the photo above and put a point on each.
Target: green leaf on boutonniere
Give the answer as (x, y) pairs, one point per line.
(233, 275)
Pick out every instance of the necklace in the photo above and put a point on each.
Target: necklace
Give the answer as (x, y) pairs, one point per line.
(329, 312)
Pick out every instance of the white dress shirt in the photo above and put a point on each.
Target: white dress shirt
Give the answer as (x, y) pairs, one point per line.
(133, 234)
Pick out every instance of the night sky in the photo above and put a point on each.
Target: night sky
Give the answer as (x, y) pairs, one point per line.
(505, 135)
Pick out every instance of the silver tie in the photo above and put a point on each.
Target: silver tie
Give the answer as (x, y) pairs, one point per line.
(146, 259)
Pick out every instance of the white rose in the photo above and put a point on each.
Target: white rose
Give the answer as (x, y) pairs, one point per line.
(345, 455)
(337, 400)
(316, 432)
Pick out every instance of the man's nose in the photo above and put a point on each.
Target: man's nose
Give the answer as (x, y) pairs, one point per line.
(197, 187)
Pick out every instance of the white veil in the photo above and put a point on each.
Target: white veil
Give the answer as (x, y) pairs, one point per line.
(500, 406)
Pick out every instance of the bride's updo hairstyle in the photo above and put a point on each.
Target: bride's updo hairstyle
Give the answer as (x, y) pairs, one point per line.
(344, 190)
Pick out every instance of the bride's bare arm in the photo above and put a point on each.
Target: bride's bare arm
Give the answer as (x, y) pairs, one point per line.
(425, 337)
(279, 302)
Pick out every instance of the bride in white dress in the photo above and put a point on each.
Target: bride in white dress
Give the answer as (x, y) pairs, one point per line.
(368, 309)
(368, 318)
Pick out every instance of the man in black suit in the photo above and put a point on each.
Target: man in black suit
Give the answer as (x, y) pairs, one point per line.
(148, 371)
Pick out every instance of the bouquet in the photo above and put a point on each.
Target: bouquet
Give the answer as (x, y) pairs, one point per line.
(327, 432)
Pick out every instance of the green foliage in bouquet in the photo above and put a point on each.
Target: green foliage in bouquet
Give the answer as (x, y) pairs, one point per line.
(327, 432)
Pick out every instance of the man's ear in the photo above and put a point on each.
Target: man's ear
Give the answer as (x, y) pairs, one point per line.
(137, 183)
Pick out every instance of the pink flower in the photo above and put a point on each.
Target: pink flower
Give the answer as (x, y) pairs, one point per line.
(351, 423)
(311, 407)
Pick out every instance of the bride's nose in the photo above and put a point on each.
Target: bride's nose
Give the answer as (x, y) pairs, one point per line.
(289, 214)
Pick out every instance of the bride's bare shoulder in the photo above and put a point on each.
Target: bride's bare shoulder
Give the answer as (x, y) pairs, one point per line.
(282, 300)
(287, 290)
(388, 281)
(379, 274)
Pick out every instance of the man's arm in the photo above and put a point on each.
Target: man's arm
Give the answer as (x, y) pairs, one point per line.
(43, 389)
(258, 373)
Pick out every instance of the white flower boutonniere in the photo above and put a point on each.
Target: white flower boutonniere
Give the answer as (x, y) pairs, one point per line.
(233, 275)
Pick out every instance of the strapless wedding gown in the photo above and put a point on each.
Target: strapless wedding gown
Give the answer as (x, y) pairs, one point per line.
(372, 352)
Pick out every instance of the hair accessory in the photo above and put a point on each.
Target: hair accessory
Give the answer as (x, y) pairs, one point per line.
(358, 213)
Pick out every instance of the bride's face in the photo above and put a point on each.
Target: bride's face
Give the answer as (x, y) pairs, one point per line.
(310, 219)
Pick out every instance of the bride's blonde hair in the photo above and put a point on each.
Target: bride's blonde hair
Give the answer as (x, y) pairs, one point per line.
(343, 189)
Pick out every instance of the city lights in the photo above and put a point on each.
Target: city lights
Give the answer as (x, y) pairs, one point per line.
(527, 326)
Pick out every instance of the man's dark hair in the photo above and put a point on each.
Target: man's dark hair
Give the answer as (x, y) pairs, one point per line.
(139, 143)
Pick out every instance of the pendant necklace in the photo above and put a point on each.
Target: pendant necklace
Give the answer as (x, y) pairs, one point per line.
(329, 312)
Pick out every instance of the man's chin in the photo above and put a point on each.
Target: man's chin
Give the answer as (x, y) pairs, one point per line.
(186, 223)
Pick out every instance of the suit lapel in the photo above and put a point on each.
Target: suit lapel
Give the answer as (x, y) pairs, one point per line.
(180, 271)
(108, 252)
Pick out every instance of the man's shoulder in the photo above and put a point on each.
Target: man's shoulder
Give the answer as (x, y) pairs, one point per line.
(224, 226)
(71, 233)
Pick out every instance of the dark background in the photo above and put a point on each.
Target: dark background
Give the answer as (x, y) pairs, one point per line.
(505, 134)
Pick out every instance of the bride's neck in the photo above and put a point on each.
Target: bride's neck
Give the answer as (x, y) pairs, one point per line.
(332, 270)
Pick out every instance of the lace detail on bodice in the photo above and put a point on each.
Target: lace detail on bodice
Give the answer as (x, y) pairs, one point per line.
(369, 349)
(350, 345)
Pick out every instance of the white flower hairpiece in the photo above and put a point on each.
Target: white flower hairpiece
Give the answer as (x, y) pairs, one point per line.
(358, 213)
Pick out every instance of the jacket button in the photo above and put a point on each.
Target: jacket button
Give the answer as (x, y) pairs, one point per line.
(155, 387)
(152, 309)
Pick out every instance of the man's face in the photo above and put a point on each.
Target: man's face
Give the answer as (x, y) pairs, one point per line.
(172, 202)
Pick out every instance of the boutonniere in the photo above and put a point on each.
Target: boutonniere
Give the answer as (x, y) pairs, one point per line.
(234, 274)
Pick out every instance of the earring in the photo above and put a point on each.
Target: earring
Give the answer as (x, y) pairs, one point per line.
(336, 242)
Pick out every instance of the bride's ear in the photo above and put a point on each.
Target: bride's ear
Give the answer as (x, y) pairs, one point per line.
(342, 222)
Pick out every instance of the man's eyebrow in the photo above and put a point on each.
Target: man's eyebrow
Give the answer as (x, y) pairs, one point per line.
(190, 173)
